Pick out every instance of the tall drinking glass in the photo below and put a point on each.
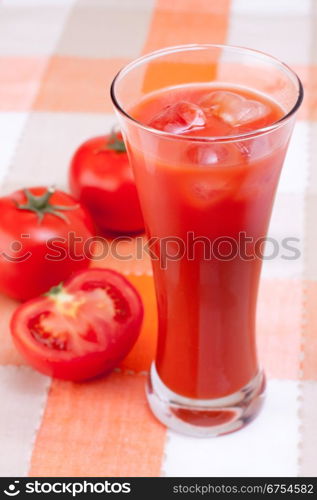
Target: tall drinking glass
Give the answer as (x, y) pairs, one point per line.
(206, 196)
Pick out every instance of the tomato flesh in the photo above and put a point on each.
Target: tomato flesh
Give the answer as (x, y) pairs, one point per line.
(81, 330)
(44, 336)
(121, 305)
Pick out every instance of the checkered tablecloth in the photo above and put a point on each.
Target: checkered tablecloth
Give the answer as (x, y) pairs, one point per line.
(57, 59)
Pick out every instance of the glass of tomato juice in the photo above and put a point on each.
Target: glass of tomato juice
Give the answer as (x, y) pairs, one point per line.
(206, 129)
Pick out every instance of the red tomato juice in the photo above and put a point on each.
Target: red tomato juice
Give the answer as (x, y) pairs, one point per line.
(211, 196)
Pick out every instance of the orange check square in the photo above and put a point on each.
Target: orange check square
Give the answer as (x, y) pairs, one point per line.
(8, 353)
(309, 363)
(77, 84)
(101, 428)
(279, 327)
(194, 21)
(308, 76)
(20, 81)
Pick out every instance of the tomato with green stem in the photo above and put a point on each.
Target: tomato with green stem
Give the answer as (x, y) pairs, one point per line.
(101, 178)
(44, 237)
(82, 328)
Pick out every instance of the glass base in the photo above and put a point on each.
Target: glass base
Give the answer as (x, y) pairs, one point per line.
(205, 417)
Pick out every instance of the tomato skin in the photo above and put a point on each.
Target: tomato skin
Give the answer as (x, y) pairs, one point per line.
(111, 338)
(31, 267)
(102, 180)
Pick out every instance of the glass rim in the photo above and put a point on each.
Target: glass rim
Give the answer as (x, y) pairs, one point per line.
(197, 46)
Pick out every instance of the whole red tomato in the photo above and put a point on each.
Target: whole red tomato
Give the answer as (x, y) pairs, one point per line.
(82, 328)
(44, 237)
(101, 178)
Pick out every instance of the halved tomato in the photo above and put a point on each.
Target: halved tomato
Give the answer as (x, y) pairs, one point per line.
(82, 328)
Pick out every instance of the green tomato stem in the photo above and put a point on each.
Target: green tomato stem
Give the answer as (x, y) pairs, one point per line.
(40, 205)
